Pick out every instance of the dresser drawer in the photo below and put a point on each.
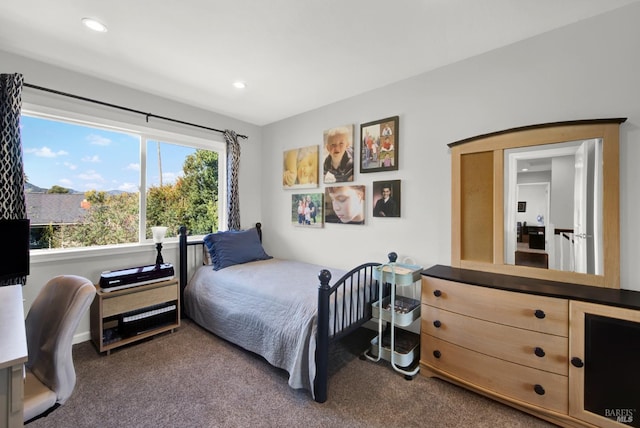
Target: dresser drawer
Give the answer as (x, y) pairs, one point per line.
(537, 387)
(531, 312)
(137, 299)
(530, 348)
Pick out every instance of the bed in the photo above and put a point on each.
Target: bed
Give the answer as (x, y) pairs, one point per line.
(273, 307)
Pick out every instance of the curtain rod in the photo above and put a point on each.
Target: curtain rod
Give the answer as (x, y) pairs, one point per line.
(147, 115)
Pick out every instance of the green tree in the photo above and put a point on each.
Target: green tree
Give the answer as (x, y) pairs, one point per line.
(192, 201)
(58, 189)
(111, 219)
(200, 187)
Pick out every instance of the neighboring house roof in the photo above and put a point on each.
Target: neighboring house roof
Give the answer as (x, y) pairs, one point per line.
(55, 208)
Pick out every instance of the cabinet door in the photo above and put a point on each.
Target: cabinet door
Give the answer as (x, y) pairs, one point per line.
(604, 350)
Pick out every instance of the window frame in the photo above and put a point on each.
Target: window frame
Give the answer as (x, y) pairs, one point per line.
(147, 133)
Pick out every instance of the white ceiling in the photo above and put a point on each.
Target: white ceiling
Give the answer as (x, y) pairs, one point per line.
(294, 55)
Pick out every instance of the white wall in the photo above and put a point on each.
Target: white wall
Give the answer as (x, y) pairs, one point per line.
(562, 191)
(584, 71)
(587, 70)
(91, 264)
(535, 195)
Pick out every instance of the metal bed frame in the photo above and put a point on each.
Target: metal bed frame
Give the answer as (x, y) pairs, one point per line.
(357, 284)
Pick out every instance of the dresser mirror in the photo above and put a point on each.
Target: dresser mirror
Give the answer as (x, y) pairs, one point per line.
(553, 207)
(557, 220)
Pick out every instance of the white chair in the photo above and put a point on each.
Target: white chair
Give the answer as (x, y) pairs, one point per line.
(50, 325)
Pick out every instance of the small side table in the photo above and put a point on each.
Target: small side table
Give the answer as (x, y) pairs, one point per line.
(109, 307)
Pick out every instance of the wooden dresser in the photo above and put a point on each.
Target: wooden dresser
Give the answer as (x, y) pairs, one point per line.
(522, 341)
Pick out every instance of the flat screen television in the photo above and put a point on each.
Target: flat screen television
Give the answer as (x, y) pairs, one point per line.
(14, 250)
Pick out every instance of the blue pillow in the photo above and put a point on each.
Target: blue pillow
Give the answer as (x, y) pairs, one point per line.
(234, 247)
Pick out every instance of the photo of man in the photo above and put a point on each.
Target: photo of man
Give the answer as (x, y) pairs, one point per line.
(387, 197)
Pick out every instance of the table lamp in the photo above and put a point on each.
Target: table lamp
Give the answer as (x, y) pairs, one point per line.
(158, 236)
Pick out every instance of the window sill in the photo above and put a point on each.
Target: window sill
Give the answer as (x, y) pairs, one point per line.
(62, 254)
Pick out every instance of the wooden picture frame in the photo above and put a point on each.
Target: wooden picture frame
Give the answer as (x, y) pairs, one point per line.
(379, 145)
(300, 168)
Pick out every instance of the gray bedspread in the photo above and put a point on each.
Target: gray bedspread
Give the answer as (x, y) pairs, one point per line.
(268, 307)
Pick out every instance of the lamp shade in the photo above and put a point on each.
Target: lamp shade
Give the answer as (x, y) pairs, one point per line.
(158, 233)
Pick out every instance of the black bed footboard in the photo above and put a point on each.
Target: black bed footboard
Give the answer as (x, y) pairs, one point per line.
(342, 308)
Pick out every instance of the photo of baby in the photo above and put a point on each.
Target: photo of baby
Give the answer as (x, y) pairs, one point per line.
(338, 154)
(300, 168)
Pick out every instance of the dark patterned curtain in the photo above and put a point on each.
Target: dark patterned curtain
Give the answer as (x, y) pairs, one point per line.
(233, 166)
(12, 202)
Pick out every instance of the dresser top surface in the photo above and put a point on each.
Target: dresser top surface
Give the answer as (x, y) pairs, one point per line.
(606, 296)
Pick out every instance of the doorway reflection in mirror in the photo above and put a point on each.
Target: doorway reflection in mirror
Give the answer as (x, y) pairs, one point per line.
(562, 187)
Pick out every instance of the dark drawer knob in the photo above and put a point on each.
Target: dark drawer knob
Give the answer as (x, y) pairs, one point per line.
(539, 352)
(437, 323)
(538, 389)
(437, 354)
(437, 293)
(539, 314)
(577, 362)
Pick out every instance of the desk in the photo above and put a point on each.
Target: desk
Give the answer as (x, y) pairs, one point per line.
(536, 237)
(13, 355)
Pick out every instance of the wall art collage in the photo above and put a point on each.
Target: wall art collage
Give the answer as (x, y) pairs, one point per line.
(343, 201)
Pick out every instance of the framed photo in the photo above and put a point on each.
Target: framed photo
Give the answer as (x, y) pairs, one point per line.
(337, 163)
(300, 168)
(307, 209)
(386, 198)
(522, 207)
(379, 145)
(344, 204)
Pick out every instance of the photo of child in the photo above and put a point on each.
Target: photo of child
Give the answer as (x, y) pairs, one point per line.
(345, 204)
(338, 154)
(300, 168)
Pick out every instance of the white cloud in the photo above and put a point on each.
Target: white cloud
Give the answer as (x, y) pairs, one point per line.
(133, 167)
(91, 175)
(70, 166)
(98, 140)
(65, 182)
(128, 187)
(46, 152)
(169, 177)
(91, 159)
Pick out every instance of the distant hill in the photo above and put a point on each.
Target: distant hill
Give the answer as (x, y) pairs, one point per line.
(32, 188)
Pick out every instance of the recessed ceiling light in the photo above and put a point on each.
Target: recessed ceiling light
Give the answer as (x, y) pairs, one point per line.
(239, 85)
(94, 25)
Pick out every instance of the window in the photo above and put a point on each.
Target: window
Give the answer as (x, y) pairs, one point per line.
(83, 181)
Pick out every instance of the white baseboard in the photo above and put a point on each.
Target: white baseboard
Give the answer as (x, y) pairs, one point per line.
(81, 337)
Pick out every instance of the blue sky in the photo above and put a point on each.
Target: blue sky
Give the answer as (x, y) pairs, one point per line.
(84, 158)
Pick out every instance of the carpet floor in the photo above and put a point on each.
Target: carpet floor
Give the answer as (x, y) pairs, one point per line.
(192, 378)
